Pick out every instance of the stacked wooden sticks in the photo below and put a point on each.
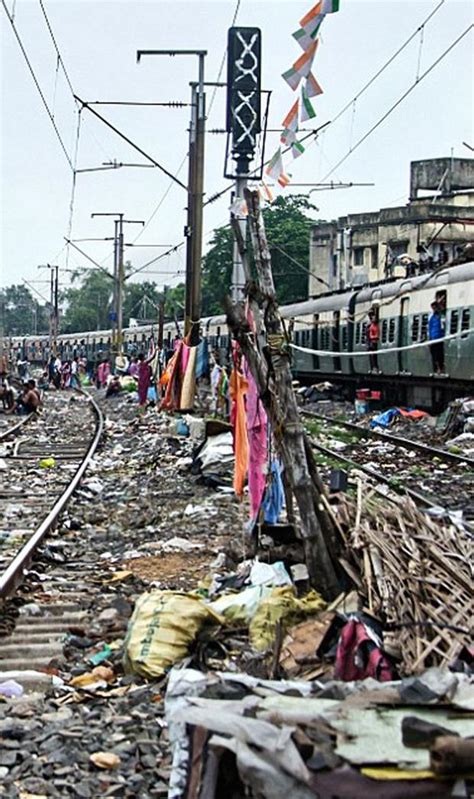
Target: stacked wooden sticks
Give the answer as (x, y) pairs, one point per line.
(416, 577)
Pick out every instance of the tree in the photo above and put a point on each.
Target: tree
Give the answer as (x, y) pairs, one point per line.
(288, 230)
(22, 313)
(88, 305)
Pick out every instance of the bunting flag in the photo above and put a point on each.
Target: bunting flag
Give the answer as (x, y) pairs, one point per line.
(312, 87)
(311, 21)
(305, 39)
(307, 110)
(287, 137)
(291, 120)
(297, 149)
(275, 165)
(266, 193)
(276, 171)
(301, 68)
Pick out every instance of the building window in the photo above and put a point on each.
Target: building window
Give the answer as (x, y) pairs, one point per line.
(374, 257)
(358, 256)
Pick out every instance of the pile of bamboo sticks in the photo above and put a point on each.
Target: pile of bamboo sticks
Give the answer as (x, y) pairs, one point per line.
(416, 576)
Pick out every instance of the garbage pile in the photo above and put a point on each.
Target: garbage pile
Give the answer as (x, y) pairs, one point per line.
(460, 420)
(234, 735)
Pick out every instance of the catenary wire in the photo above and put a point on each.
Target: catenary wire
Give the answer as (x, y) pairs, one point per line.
(397, 102)
(38, 87)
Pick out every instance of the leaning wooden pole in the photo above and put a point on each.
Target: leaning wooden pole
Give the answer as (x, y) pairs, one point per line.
(271, 371)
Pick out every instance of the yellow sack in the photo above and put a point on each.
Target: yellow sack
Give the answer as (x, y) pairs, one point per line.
(162, 629)
(281, 606)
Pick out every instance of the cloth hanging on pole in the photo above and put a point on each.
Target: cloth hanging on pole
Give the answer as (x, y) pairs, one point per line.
(238, 389)
(257, 437)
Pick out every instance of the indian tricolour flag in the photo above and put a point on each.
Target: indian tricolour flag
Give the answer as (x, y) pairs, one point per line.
(291, 120)
(297, 149)
(312, 20)
(275, 169)
(307, 110)
(305, 39)
(301, 68)
(312, 87)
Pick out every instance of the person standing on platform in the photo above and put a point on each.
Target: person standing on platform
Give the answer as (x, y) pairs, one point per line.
(144, 378)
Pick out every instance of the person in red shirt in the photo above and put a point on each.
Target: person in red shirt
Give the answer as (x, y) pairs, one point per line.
(373, 336)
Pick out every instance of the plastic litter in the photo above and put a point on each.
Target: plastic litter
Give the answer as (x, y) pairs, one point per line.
(163, 626)
(10, 689)
(47, 463)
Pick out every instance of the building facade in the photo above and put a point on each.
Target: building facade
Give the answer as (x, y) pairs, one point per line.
(419, 236)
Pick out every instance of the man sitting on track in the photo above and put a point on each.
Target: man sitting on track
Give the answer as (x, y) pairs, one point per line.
(30, 399)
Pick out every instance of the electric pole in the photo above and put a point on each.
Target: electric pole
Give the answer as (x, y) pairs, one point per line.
(194, 224)
(116, 315)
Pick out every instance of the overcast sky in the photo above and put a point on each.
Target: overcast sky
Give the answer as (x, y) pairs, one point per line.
(98, 43)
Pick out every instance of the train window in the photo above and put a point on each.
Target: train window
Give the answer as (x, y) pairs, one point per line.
(345, 338)
(384, 331)
(358, 333)
(454, 321)
(424, 326)
(363, 337)
(465, 319)
(415, 328)
(391, 331)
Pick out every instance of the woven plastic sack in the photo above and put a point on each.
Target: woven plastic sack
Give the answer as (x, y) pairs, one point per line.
(162, 629)
(281, 606)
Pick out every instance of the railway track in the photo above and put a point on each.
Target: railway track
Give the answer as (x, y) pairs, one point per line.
(45, 462)
(431, 476)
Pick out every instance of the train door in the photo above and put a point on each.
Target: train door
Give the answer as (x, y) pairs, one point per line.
(336, 344)
(315, 341)
(403, 333)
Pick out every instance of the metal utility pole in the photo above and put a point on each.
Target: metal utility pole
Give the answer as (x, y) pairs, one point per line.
(54, 304)
(195, 193)
(116, 315)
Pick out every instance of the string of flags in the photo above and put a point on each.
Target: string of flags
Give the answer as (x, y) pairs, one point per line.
(300, 73)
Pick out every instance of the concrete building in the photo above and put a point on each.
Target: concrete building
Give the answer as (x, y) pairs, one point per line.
(426, 232)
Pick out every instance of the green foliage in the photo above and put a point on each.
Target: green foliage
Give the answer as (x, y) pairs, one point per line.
(88, 304)
(22, 313)
(288, 231)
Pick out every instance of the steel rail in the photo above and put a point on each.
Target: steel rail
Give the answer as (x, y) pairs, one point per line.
(398, 441)
(15, 571)
(399, 489)
(15, 427)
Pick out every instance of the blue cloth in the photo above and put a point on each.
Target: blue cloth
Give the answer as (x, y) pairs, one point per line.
(385, 418)
(202, 359)
(274, 495)
(435, 327)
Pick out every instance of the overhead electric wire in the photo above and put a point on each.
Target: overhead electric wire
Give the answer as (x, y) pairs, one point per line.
(400, 100)
(361, 91)
(38, 87)
(387, 63)
(60, 59)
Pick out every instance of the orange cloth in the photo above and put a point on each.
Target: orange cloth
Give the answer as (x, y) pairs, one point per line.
(238, 388)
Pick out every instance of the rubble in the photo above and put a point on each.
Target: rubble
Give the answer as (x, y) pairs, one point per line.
(262, 700)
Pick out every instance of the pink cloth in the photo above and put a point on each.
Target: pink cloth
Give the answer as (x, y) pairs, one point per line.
(143, 381)
(103, 372)
(257, 436)
(184, 358)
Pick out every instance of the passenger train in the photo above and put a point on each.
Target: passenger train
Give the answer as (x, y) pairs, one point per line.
(336, 323)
